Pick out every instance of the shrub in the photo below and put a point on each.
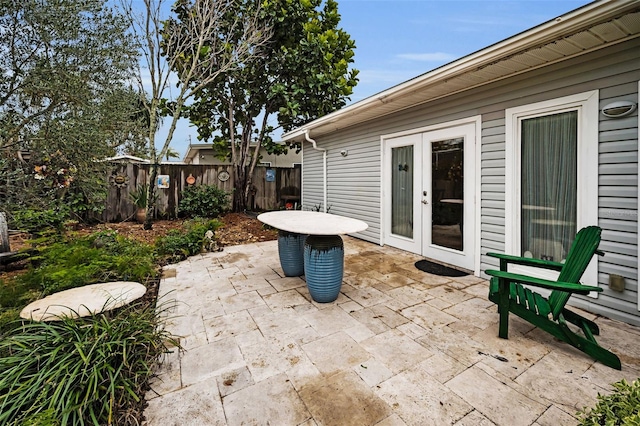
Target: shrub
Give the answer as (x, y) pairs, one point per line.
(622, 407)
(102, 256)
(140, 195)
(80, 371)
(36, 221)
(203, 201)
(178, 245)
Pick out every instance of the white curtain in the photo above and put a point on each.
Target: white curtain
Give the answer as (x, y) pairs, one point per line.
(402, 191)
(549, 185)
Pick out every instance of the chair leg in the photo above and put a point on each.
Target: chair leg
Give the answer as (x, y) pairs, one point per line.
(589, 346)
(503, 309)
(581, 322)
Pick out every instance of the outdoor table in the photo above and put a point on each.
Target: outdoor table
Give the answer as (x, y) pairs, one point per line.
(310, 242)
(83, 301)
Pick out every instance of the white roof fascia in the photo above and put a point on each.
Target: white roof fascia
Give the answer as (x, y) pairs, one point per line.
(571, 22)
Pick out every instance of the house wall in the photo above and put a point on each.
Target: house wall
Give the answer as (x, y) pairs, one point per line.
(354, 182)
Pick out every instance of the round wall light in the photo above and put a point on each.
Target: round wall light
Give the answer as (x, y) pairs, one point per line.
(619, 109)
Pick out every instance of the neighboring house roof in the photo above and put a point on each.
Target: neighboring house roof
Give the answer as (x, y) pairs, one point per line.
(193, 150)
(127, 159)
(589, 28)
(135, 160)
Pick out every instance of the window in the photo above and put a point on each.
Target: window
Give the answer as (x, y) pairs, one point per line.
(548, 146)
(402, 191)
(551, 177)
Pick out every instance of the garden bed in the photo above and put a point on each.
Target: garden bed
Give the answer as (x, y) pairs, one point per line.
(66, 265)
(237, 228)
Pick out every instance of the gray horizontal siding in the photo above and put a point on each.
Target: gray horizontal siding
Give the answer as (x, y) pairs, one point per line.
(354, 181)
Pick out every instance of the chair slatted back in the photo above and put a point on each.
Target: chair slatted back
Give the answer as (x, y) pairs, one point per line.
(582, 250)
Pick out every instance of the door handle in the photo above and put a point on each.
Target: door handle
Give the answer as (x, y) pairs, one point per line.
(425, 202)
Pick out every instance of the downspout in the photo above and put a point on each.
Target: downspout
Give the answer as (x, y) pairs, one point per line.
(324, 168)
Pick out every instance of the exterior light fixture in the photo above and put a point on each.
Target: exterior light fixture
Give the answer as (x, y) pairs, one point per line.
(619, 109)
(344, 152)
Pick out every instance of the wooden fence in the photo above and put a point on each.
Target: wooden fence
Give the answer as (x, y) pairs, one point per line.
(268, 184)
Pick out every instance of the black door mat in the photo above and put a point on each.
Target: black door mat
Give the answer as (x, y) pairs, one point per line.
(437, 269)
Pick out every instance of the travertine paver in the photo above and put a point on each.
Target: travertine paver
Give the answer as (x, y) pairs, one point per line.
(210, 360)
(421, 400)
(502, 405)
(336, 352)
(474, 418)
(195, 405)
(398, 347)
(272, 401)
(331, 401)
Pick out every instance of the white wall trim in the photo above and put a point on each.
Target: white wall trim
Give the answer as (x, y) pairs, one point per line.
(384, 174)
(455, 123)
(478, 195)
(586, 104)
(638, 141)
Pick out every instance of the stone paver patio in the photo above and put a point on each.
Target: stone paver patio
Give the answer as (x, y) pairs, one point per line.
(398, 347)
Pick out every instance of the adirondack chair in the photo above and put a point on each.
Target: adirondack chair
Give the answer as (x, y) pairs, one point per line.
(550, 314)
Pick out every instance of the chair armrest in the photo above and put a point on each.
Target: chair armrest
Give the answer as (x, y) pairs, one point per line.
(539, 282)
(527, 261)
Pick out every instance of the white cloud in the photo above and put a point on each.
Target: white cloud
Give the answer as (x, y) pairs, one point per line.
(384, 77)
(428, 57)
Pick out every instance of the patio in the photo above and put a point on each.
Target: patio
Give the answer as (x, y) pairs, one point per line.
(398, 347)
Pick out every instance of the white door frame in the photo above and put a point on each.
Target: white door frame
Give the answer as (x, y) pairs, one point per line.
(472, 184)
(412, 244)
(465, 258)
(587, 106)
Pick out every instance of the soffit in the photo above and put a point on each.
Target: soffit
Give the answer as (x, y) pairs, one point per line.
(478, 69)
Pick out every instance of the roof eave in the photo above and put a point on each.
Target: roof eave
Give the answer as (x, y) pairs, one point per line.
(571, 22)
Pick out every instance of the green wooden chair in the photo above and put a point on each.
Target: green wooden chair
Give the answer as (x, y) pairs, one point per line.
(550, 314)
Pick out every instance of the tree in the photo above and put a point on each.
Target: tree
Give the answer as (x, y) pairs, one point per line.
(64, 97)
(301, 73)
(197, 48)
(56, 55)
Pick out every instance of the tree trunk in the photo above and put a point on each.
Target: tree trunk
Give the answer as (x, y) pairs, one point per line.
(151, 197)
(239, 185)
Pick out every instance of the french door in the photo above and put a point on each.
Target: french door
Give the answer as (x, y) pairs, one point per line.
(430, 207)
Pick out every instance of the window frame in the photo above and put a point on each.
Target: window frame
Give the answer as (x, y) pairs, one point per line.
(586, 104)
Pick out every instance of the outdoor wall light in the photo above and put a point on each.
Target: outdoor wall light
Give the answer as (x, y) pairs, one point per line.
(344, 152)
(618, 109)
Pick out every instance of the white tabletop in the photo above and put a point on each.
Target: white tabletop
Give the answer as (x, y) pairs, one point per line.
(313, 223)
(83, 301)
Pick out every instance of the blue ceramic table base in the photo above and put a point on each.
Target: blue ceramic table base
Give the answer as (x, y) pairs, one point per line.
(290, 249)
(324, 266)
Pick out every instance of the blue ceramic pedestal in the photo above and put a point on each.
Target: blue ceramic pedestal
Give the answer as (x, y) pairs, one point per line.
(324, 266)
(290, 249)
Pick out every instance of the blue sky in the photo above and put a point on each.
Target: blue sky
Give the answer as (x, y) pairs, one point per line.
(397, 40)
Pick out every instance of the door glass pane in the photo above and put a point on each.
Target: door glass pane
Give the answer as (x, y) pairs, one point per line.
(447, 193)
(549, 185)
(402, 191)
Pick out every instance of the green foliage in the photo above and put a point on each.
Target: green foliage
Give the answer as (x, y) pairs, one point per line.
(102, 256)
(65, 98)
(8, 318)
(301, 73)
(37, 221)
(80, 371)
(140, 195)
(621, 407)
(177, 245)
(203, 201)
